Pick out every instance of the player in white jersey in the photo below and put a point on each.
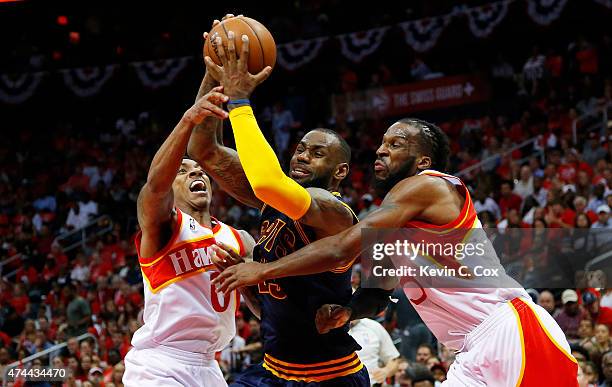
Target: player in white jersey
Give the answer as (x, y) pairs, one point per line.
(185, 320)
(503, 338)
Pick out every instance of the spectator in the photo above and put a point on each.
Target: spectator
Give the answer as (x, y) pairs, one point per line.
(582, 377)
(606, 367)
(439, 372)
(599, 314)
(585, 331)
(78, 312)
(424, 352)
(254, 346)
(524, 186)
(570, 316)
(118, 371)
(368, 205)
(377, 353)
(533, 70)
(282, 123)
(482, 203)
(508, 200)
(419, 70)
(80, 272)
(96, 376)
(20, 301)
(557, 215)
(603, 217)
(413, 330)
(580, 205)
(422, 377)
(547, 301)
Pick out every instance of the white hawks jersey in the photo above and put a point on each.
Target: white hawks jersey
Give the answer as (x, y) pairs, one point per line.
(182, 308)
(454, 307)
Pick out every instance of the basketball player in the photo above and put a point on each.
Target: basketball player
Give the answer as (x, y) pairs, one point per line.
(295, 210)
(503, 337)
(185, 320)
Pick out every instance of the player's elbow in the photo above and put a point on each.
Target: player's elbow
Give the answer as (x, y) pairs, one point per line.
(342, 257)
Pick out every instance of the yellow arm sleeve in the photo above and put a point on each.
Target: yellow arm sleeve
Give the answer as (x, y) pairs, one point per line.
(262, 169)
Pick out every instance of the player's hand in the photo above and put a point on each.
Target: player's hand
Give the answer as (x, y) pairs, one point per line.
(207, 77)
(234, 74)
(224, 256)
(378, 374)
(207, 106)
(238, 276)
(331, 316)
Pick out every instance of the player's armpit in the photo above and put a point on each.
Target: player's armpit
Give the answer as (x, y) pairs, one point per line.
(327, 214)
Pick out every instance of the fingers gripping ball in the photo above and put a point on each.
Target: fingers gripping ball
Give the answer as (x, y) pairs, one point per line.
(262, 49)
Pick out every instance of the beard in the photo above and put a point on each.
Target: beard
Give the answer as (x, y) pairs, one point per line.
(315, 181)
(383, 186)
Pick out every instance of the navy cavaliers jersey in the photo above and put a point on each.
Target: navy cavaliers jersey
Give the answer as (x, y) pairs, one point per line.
(293, 348)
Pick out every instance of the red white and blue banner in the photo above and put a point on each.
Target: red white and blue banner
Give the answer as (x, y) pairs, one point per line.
(421, 35)
(294, 55)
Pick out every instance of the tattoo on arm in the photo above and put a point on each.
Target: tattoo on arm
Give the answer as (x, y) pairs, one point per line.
(226, 170)
(327, 213)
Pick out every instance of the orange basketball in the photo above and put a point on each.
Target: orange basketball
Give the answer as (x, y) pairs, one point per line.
(262, 49)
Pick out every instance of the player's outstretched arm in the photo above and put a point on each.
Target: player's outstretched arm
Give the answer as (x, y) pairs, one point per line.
(220, 162)
(155, 200)
(406, 200)
(261, 166)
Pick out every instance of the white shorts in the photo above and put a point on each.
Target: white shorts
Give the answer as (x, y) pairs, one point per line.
(520, 344)
(163, 366)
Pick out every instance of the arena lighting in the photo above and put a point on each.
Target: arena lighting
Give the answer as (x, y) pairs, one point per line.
(11, 1)
(62, 20)
(75, 37)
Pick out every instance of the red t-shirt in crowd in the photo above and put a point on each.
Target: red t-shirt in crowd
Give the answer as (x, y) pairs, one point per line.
(20, 303)
(513, 201)
(567, 172)
(605, 316)
(587, 61)
(27, 275)
(568, 217)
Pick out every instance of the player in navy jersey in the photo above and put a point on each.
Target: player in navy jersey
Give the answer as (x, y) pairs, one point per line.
(296, 210)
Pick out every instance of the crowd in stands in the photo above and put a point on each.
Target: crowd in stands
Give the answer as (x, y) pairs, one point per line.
(547, 165)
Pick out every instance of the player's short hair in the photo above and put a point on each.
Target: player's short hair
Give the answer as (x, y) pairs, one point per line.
(345, 149)
(433, 141)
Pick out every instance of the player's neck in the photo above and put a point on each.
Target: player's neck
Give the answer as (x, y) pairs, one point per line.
(202, 216)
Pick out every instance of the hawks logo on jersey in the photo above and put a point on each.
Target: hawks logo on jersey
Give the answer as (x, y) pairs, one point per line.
(182, 258)
(183, 309)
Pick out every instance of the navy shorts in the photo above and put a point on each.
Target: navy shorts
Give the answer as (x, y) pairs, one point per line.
(257, 376)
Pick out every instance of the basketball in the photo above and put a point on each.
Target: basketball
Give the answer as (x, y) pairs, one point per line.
(262, 49)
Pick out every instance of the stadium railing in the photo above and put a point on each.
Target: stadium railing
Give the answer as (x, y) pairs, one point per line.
(26, 361)
(70, 240)
(532, 141)
(596, 120)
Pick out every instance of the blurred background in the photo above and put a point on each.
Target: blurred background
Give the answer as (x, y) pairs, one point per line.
(87, 94)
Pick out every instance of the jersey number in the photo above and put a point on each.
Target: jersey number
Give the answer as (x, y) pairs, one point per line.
(423, 295)
(271, 288)
(214, 296)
